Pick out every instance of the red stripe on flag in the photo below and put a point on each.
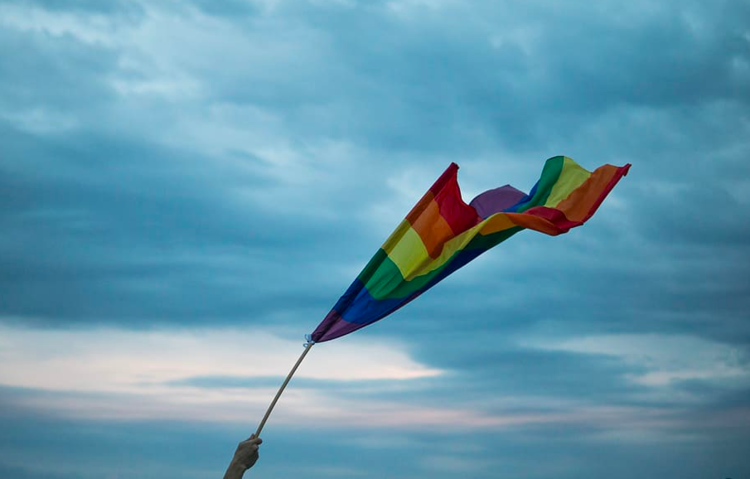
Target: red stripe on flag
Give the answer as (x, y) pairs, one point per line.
(453, 209)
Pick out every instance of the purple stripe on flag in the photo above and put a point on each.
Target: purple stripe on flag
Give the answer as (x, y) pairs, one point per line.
(333, 326)
(497, 200)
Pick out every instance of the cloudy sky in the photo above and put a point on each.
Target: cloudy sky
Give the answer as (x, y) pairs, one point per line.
(187, 187)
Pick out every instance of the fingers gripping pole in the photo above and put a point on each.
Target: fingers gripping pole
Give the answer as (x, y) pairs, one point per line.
(308, 346)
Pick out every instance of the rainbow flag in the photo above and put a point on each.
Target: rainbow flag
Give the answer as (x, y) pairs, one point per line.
(442, 233)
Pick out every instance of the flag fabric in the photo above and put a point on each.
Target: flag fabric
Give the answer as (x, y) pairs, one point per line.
(442, 233)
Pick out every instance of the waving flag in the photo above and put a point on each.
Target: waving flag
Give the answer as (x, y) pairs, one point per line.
(442, 233)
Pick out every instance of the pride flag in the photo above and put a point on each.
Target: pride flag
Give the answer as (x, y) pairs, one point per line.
(442, 233)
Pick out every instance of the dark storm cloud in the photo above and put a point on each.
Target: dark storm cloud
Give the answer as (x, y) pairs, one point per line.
(138, 235)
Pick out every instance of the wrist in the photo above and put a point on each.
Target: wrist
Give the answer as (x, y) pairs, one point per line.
(235, 470)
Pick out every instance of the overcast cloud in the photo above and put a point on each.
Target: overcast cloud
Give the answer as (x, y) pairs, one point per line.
(186, 188)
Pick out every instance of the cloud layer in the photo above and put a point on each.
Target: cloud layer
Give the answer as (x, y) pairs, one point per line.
(188, 187)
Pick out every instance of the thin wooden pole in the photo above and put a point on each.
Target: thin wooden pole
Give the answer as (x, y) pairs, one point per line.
(308, 347)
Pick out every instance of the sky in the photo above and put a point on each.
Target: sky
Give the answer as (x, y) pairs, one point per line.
(187, 187)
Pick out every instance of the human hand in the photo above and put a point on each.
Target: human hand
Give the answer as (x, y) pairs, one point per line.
(247, 452)
(244, 457)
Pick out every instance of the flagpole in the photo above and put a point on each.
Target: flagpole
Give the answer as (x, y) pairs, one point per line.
(308, 346)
